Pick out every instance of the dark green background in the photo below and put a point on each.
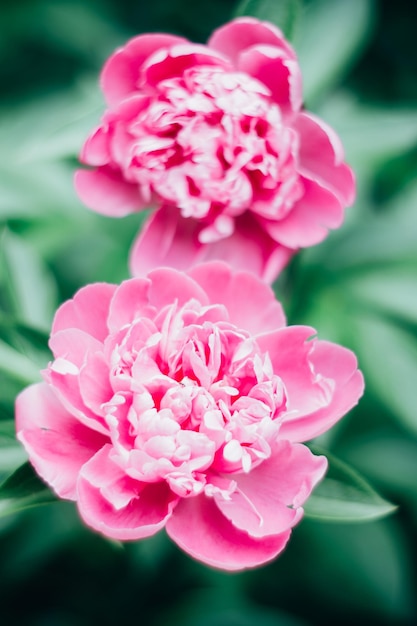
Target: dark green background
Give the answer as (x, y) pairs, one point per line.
(358, 288)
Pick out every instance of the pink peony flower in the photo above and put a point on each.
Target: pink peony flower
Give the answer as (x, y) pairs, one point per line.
(179, 401)
(215, 137)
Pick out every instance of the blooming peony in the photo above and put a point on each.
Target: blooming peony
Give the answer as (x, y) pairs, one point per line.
(216, 139)
(179, 401)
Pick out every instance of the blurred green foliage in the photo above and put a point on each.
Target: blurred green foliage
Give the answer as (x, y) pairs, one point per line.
(358, 288)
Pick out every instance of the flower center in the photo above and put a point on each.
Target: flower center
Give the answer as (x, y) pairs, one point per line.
(214, 144)
(193, 395)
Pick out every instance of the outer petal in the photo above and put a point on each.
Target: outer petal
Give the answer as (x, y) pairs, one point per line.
(309, 220)
(261, 504)
(280, 73)
(172, 62)
(57, 443)
(87, 311)
(290, 349)
(321, 157)
(120, 75)
(200, 529)
(65, 379)
(251, 303)
(169, 285)
(130, 301)
(105, 191)
(242, 33)
(169, 239)
(94, 382)
(73, 345)
(143, 515)
(338, 364)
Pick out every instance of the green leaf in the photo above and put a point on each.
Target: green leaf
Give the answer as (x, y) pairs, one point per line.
(30, 286)
(345, 496)
(282, 13)
(330, 36)
(391, 291)
(23, 489)
(16, 366)
(388, 357)
(359, 126)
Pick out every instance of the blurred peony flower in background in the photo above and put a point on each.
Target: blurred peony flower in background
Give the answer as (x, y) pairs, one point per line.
(180, 401)
(215, 138)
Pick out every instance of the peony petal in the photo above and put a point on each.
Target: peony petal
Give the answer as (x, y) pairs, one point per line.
(251, 303)
(130, 301)
(309, 220)
(321, 157)
(66, 384)
(145, 513)
(106, 191)
(242, 33)
(261, 504)
(95, 150)
(172, 62)
(120, 75)
(87, 311)
(94, 382)
(73, 345)
(168, 239)
(200, 529)
(281, 74)
(338, 364)
(57, 443)
(169, 286)
(289, 350)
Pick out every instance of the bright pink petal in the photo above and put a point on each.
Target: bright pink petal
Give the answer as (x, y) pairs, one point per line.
(73, 345)
(169, 286)
(87, 311)
(268, 499)
(321, 157)
(120, 75)
(106, 192)
(289, 350)
(310, 218)
(66, 383)
(281, 74)
(201, 530)
(57, 443)
(339, 365)
(134, 515)
(168, 63)
(242, 33)
(251, 303)
(168, 239)
(96, 151)
(94, 381)
(130, 301)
